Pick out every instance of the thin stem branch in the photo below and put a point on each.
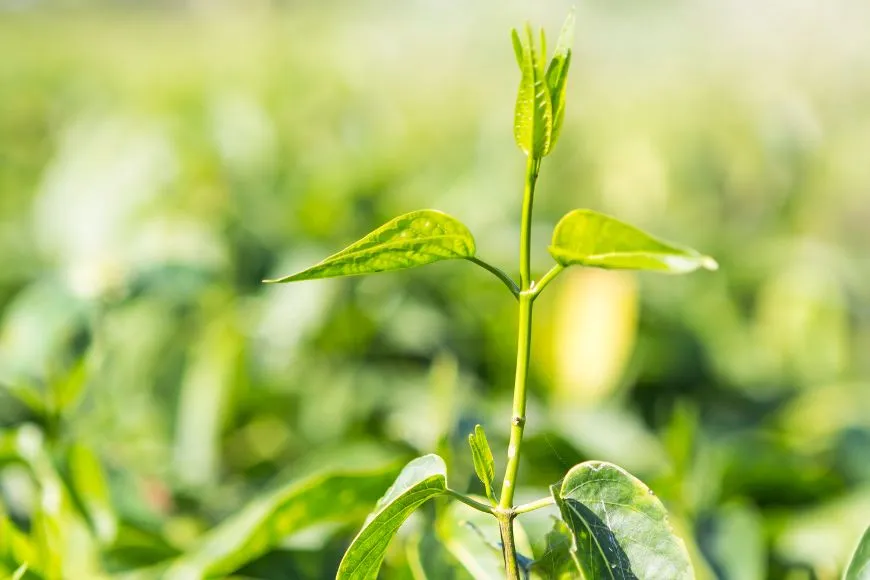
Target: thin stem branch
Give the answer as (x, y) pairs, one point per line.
(498, 273)
(479, 506)
(534, 505)
(538, 286)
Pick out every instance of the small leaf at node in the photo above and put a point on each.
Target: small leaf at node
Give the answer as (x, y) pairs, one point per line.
(484, 465)
(410, 240)
(588, 238)
(620, 528)
(420, 480)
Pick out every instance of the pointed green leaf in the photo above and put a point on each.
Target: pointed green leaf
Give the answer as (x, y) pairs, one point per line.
(16, 549)
(557, 76)
(587, 238)
(484, 465)
(533, 115)
(19, 573)
(420, 480)
(620, 528)
(335, 497)
(410, 240)
(90, 487)
(859, 567)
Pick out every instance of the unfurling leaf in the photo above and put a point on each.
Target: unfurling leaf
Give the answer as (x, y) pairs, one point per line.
(859, 567)
(484, 465)
(540, 106)
(533, 115)
(620, 528)
(557, 76)
(587, 238)
(410, 240)
(420, 480)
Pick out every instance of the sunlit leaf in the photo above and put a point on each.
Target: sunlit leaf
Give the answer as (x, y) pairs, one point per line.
(588, 238)
(533, 115)
(16, 549)
(90, 487)
(19, 573)
(859, 566)
(557, 76)
(410, 240)
(328, 498)
(620, 527)
(420, 480)
(65, 546)
(484, 465)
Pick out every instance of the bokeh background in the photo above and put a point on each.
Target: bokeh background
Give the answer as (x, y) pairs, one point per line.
(157, 160)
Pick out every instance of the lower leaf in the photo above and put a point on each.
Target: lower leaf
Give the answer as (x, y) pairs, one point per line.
(620, 528)
(420, 480)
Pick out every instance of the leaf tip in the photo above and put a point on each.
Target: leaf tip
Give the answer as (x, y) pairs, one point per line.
(709, 263)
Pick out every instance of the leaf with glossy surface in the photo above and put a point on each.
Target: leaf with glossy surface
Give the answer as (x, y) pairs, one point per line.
(410, 240)
(420, 480)
(620, 528)
(588, 238)
(484, 464)
(859, 566)
(533, 114)
(336, 497)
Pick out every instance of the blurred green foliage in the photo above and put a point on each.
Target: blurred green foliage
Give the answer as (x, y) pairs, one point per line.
(157, 162)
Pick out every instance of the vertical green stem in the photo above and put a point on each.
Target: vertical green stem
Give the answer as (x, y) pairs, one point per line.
(524, 342)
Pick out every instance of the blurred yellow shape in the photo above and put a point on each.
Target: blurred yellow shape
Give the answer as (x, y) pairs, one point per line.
(593, 334)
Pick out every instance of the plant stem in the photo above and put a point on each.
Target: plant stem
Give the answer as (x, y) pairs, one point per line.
(479, 506)
(524, 341)
(532, 167)
(509, 549)
(534, 505)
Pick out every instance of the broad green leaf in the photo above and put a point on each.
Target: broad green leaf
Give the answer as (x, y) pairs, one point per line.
(533, 115)
(410, 240)
(556, 562)
(89, 485)
(337, 497)
(557, 76)
(587, 238)
(484, 465)
(859, 567)
(420, 480)
(620, 528)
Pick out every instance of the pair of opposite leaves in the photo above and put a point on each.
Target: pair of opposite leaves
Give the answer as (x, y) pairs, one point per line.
(583, 237)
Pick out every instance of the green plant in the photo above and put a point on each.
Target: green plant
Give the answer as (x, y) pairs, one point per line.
(612, 524)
